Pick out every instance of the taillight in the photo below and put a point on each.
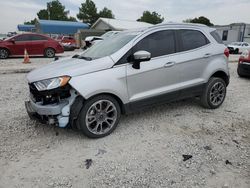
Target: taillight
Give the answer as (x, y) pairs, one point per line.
(226, 52)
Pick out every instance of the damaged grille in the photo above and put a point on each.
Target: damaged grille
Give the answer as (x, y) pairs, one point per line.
(50, 96)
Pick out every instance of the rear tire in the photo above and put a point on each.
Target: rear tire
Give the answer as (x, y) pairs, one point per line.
(214, 93)
(49, 52)
(4, 53)
(238, 71)
(99, 116)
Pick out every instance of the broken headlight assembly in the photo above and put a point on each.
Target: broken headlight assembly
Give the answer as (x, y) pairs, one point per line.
(51, 83)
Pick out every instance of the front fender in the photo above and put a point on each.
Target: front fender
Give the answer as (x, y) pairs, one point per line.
(111, 81)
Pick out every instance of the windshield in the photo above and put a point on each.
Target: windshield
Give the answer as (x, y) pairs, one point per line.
(108, 46)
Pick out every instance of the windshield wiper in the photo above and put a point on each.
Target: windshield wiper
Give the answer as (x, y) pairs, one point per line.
(85, 58)
(75, 56)
(82, 57)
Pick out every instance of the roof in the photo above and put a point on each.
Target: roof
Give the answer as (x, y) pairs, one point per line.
(117, 24)
(60, 27)
(21, 27)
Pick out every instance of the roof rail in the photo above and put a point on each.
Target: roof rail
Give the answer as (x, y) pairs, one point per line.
(178, 24)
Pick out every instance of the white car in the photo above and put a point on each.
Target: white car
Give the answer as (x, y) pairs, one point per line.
(238, 47)
(90, 40)
(130, 71)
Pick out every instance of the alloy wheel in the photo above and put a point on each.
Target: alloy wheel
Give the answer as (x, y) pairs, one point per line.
(50, 53)
(217, 93)
(101, 117)
(3, 53)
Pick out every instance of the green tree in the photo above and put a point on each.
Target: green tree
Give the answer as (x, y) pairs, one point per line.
(153, 18)
(88, 12)
(31, 22)
(55, 11)
(200, 20)
(106, 13)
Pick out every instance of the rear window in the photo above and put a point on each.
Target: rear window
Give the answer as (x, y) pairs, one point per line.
(216, 36)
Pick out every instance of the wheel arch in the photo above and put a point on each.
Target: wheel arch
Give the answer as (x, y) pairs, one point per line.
(121, 104)
(49, 47)
(221, 74)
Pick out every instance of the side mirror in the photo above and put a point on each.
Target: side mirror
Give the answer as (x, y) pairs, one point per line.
(140, 56)
(12, 40)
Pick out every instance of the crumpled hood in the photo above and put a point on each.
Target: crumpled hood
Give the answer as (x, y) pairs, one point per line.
(69, 67)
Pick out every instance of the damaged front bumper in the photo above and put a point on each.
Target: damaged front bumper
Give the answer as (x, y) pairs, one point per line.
(56, 113)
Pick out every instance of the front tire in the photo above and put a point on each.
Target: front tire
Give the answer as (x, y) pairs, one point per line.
(4, 53)
(214, 93)
(49, 52)
(99, 116)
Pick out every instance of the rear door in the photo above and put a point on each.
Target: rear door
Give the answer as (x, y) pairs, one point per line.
(194, 55)
(36, 44)
(158, 77)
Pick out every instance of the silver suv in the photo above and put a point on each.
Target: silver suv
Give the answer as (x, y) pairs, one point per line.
(130, 71)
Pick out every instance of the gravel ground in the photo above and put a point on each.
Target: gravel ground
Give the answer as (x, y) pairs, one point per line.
(144, 151)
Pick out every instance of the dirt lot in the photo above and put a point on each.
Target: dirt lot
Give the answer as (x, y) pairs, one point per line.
(144, 151)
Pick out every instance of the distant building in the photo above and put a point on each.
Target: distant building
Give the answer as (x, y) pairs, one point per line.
(236, 32)
(26, 28)
(59, 27)
(107, 24)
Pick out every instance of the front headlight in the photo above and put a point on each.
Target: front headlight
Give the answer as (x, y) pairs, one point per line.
(52, 83)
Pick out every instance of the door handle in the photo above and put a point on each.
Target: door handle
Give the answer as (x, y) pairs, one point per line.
(207, 55)
(169, 64)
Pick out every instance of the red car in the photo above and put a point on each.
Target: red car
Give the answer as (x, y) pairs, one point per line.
(243, 69)
(68, 43)
(35, 44)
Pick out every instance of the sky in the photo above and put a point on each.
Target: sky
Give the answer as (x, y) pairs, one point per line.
(220, 12)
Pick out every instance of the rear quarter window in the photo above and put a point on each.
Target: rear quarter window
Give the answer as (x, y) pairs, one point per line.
(192, 39)
(216, 37)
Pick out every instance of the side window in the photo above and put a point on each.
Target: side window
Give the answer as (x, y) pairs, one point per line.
(37, 37)
(217, 37)
(22, 38)
(245, 44)
(192, 39)
(158, 44)
(224, 35)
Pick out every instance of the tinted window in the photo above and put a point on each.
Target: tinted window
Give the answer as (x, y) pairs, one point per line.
(158, 44)
(192, 39)
(22, 38)
(37, 37)
(224, 35)
(216, 36)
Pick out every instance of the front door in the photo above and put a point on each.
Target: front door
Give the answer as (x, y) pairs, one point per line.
(157, 79)
(18, 45)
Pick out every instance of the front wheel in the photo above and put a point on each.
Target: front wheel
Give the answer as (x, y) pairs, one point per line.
(99, 116)
(4, 54)
(214, 93)
(49, 52)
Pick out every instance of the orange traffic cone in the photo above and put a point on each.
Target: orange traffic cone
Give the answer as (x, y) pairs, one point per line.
(26, 57)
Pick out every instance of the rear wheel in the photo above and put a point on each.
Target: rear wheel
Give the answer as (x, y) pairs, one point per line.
(99, 116)
(214, 93)
(4, 53)
(239, 73)
(49, 52)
